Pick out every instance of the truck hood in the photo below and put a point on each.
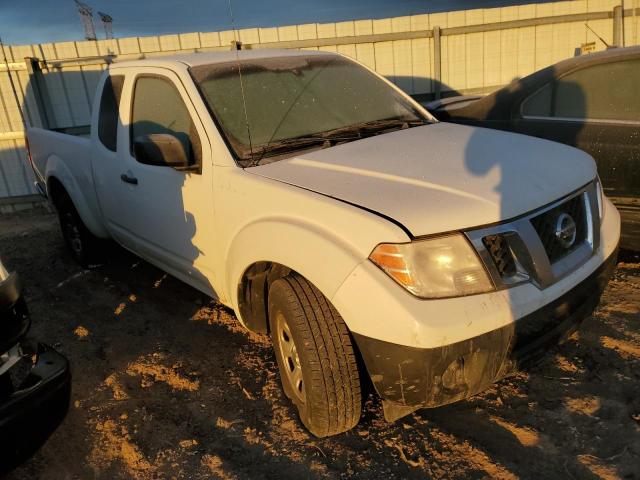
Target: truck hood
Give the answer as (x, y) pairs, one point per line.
(441, 177)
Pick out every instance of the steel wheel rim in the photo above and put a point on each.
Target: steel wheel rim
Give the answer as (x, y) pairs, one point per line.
(72, 232)
(289, 358)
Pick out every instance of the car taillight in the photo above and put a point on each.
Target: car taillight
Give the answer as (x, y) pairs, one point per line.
(39, 178)
(26, 144)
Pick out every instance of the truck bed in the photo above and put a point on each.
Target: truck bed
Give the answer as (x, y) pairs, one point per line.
(67, 158)
(47, 146)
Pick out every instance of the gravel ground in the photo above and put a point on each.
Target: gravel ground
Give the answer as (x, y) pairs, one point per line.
(168, 385)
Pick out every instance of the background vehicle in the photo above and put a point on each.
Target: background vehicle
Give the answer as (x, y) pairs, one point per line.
(590, 102)
(329, 209)
(34, 385)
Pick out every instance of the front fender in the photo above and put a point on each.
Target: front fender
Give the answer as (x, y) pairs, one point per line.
(88, 210)
(319, 255)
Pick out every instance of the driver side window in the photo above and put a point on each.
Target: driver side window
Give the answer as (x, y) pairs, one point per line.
(159, 109)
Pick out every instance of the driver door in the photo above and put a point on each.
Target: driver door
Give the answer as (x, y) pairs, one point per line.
(169, 210)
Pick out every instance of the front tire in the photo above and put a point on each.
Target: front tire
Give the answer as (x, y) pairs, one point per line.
(316, 358)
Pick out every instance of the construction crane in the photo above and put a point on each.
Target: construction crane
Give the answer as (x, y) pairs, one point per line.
(107, 23)
(86, 16)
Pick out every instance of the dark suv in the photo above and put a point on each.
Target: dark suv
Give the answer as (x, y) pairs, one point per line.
(591, 102)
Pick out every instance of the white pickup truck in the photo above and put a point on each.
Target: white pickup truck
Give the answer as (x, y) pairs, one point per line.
(326, 207)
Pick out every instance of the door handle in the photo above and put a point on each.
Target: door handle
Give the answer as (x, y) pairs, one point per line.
(127, 179)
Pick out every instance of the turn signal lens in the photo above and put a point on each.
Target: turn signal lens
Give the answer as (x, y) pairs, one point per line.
(434, 268)
(389, 257)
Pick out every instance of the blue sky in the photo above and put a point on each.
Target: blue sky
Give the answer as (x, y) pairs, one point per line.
(39, 21)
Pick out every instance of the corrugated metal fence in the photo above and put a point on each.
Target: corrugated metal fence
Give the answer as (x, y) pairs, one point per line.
(427, 55)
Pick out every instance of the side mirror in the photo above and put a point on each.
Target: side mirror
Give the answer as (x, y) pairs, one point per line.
(162, 150)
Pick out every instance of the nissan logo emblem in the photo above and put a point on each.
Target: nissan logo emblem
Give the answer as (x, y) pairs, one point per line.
(565, 230)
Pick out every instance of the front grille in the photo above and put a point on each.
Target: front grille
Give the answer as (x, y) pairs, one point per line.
(545, 226)
(501, 254)
(538, 247)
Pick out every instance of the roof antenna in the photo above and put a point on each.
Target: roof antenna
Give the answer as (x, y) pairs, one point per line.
(237, 46)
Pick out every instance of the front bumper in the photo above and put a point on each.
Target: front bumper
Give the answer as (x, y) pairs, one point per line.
(409, 378)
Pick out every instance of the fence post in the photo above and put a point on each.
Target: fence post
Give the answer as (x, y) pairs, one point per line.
(39, 88)
(437, 64)
(618, 26)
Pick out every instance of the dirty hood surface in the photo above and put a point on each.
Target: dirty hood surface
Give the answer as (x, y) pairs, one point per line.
(441, 177)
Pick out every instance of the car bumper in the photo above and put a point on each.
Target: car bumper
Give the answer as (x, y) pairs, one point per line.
(32, 410)
(34, 403)
(409, 378)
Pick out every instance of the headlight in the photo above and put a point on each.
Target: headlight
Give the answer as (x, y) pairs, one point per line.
(438, 267)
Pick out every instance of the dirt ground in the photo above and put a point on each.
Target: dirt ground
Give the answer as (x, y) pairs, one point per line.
(166, 384)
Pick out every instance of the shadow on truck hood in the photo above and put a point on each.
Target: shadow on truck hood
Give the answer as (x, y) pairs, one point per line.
(440, 177)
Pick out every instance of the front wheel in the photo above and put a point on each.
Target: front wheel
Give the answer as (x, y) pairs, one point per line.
(316, 358)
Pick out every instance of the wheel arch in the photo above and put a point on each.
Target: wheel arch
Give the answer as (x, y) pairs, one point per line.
(253, 293)
(267, 250)
(56, 192)
(60, 182)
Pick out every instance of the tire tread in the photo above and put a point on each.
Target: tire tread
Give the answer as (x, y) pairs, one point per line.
(335, 395)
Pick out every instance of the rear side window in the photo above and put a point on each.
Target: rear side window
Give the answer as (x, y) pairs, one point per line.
(108, 114)
(158, 108)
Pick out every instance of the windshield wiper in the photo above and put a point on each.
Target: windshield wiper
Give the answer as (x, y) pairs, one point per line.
(377, 126)
(286, 145)
(331, 137)
(292, 144)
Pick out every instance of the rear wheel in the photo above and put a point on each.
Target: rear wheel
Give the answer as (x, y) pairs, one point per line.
(316, 358)
(82, 244)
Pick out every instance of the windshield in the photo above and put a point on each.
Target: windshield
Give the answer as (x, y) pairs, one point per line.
(292, 100)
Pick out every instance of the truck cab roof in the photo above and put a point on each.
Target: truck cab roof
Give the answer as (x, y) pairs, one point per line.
(208, 58)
